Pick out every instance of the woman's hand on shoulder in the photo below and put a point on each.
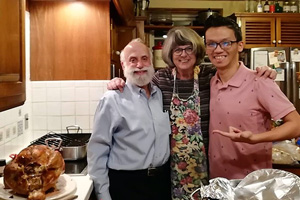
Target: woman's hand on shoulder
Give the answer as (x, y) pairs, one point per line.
(116, 84)
(266, 72)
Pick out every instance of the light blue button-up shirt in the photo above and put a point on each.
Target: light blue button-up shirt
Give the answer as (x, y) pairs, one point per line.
(131, 132)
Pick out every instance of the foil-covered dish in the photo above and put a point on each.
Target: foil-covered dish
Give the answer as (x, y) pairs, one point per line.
(264, 184)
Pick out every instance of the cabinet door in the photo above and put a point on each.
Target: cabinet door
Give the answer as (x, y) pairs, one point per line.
(288, 31)
(258, 31)
(12, 53)
(120, 37)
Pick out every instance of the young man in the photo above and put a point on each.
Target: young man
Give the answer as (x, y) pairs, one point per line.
(129, 148)
(241, 107)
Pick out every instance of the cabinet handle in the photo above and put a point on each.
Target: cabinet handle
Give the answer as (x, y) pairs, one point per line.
(279, 41)
(274, 42)
(118, 53)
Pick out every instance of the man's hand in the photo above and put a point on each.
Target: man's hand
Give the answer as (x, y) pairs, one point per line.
(116, 84)
(237, 135)
(266, 72)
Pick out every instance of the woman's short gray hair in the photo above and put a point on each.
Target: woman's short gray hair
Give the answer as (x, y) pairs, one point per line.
(183, 36)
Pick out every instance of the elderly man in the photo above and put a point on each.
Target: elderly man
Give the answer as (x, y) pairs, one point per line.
(129, 149)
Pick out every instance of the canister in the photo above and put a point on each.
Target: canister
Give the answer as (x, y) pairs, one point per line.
(157, 56)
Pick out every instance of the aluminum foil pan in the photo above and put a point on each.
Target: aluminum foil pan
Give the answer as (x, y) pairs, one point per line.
(264, 184)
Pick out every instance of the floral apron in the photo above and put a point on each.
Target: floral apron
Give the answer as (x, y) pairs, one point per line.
(188, 159)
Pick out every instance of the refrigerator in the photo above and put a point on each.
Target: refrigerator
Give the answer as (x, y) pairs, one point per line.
(286, 61)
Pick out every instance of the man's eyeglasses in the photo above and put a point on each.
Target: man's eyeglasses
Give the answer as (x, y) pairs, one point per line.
(224, 45)
(178, 51)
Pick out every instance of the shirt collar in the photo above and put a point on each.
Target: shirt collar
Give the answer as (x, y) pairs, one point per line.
(139, 90)
(238, 78)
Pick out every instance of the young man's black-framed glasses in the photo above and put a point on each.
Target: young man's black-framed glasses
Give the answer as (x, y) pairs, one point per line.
(224, 45)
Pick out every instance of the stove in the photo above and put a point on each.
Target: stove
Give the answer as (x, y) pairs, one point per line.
(76, 167)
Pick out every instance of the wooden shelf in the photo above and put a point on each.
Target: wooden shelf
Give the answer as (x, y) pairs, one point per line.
(167, 27)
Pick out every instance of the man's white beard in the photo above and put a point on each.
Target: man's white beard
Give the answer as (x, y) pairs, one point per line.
(139, 80)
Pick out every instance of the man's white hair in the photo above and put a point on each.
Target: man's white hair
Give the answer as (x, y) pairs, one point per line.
(122, 58)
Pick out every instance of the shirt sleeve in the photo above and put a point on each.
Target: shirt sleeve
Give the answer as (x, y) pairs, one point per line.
(273, 99)
(99, 147)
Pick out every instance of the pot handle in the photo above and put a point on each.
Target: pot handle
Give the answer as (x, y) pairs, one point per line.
(74, 128)
(55, 145)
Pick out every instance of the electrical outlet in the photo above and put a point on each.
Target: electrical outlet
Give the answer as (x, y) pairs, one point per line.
(20, 127)
(14, 130)
(7, 134)
(1, 136)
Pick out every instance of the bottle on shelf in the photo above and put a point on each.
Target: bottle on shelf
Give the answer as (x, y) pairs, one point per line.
(259, 8)
(286, 7)
(278, 8)
(294, 7)
(266, 7)
(272, 7)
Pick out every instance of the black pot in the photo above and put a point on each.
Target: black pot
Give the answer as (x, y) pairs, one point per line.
(203, 15)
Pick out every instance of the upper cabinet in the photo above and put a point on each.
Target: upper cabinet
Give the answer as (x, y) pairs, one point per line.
(69, 40)
(72, 40)
(270, 29)
(12, 53)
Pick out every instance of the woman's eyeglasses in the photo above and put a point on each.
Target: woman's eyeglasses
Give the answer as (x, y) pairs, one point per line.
(178, 51)
(224, 45)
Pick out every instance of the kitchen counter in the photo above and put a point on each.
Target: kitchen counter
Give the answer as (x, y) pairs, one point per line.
(84, 186)
(295, 169)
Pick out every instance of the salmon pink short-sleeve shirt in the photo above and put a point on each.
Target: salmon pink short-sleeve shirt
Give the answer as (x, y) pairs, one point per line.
(247, 103)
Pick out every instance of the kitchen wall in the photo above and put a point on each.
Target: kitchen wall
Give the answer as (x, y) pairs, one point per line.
(50, 106)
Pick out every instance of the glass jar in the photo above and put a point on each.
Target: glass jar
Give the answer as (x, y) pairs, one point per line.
(294, 8)
(286, 7)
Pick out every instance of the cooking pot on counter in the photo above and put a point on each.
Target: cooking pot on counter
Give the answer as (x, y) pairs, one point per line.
(73, 146)
(203, 15)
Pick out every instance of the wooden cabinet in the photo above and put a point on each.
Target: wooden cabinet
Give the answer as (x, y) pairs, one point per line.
(71, 40)
(12, 53)
(120, 37)
(270, 29)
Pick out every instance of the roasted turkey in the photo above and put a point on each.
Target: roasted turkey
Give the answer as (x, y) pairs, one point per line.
(34, 171)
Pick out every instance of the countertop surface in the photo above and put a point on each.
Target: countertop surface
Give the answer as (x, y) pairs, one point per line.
(84, 186)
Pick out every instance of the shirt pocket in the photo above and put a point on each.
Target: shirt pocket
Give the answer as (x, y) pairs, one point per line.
(165, 122)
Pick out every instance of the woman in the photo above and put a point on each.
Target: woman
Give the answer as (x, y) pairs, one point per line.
(186, 90)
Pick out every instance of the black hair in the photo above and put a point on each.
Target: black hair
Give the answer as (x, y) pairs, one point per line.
(218, 21)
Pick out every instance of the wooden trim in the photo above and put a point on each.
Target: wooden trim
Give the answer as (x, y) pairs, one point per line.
(125, 9)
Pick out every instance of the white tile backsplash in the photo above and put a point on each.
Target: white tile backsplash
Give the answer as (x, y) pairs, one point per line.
(39, 123)
(67, 121)
(82, 108)
(68, 108)
(82, 94)
(83, 122)
(51, 106)
(39, 109)
(68, 93)
(39, 94)
(54, 123)
(53, 94)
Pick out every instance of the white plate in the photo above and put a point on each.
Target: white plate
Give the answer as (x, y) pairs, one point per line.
(64, 186)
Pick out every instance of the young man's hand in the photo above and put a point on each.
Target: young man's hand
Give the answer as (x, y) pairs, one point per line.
(266, 72)
(236, 135)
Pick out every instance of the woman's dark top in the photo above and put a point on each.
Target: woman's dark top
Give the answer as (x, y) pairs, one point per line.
(164, 79)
